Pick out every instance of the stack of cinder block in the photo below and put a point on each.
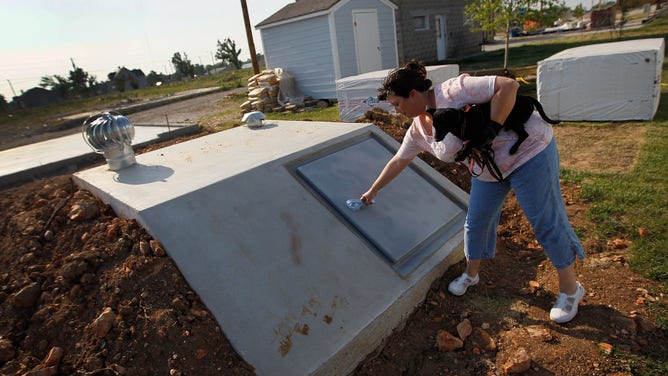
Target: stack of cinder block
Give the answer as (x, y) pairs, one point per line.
(262, 92)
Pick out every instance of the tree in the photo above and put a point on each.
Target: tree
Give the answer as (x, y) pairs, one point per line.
(80, 81)
(183, 65)
(153, 78)
(199, 69)
(227, 53)
(548, 12)
(3, 103)
(625, 6)
(493, 16)
(56, 83)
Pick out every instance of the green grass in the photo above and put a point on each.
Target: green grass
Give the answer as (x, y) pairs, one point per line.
(623, 203)
(330, 113)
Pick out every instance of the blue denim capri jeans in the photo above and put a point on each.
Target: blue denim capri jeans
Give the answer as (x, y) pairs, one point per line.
(536, 185)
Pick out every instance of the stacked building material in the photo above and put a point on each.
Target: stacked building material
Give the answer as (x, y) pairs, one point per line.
(262, 92)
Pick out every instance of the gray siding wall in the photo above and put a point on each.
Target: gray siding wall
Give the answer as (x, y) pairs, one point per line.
(421, 44)
(304, 50)
(345, 35)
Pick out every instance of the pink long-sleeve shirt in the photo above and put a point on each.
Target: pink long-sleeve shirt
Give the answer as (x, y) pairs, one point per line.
(458, 92)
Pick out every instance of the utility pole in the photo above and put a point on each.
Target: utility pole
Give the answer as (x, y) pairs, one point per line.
(249, 36)
(11, 87)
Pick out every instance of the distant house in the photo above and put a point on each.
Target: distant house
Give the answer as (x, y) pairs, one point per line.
(36, 97)
(434, 30)
(320, 41)
(124, 79)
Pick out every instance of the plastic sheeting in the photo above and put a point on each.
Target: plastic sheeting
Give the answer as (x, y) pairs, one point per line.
(603, 82)
(357, 94)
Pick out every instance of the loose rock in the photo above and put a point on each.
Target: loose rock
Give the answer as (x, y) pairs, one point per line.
(519, 362)
(27, 296)
(157, 249)
(606, 348)
(7, 350)
(481, 339)
(84, 211)
(144, 248)
(447, 342)
(464, 329)
(539, 332)
(534, 286)
(103, 323)
(54, 356)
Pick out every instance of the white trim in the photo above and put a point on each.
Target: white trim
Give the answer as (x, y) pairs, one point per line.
(335, 46)
(267, 64)
(390, 4)
(440, 24)
(394, 36)
(333, 9)
(338, 5)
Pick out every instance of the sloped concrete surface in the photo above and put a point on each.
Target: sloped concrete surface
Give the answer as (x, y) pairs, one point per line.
(295, 287)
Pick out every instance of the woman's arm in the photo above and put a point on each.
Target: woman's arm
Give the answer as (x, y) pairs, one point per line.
(392, 169)
(503, 100)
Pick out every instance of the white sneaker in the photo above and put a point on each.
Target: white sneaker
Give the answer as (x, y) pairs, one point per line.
(566, 307)
(460, 284)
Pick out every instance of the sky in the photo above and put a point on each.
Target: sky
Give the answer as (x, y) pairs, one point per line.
(43, 37)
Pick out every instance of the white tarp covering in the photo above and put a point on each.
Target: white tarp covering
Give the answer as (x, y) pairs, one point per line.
(357, 94)
(603, 82)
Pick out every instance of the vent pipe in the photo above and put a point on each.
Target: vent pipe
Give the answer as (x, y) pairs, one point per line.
(111, 134)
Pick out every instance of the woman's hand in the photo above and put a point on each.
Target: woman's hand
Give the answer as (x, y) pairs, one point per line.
(368, 197)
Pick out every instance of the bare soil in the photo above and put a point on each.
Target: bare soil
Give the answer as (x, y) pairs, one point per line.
(84, 292)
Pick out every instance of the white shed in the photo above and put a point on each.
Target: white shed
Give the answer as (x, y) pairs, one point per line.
(603, 82)
(332, 38)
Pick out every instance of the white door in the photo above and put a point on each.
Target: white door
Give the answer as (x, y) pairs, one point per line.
(367, 41)
(441, 46)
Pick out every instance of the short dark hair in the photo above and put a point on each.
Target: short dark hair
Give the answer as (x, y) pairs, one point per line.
(401, 81)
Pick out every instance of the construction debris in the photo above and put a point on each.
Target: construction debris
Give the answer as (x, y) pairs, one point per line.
(274, 91)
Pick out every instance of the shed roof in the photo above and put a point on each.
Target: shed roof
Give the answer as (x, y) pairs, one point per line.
(297, 9)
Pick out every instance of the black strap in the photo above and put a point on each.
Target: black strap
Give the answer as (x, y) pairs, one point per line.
(483, 158)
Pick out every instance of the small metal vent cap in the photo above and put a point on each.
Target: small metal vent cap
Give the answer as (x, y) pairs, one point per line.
(111, 134)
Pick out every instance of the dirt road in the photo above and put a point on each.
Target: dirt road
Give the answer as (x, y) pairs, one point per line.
(187, 111)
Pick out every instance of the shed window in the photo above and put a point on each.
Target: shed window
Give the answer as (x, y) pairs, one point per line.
(421, 22)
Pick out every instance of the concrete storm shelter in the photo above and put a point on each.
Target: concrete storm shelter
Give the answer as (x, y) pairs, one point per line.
(257, 223)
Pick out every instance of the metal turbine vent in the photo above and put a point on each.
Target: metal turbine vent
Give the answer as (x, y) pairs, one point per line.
(111, 134)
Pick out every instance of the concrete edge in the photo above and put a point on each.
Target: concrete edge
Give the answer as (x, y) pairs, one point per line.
(374, 336)
(65, 166)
